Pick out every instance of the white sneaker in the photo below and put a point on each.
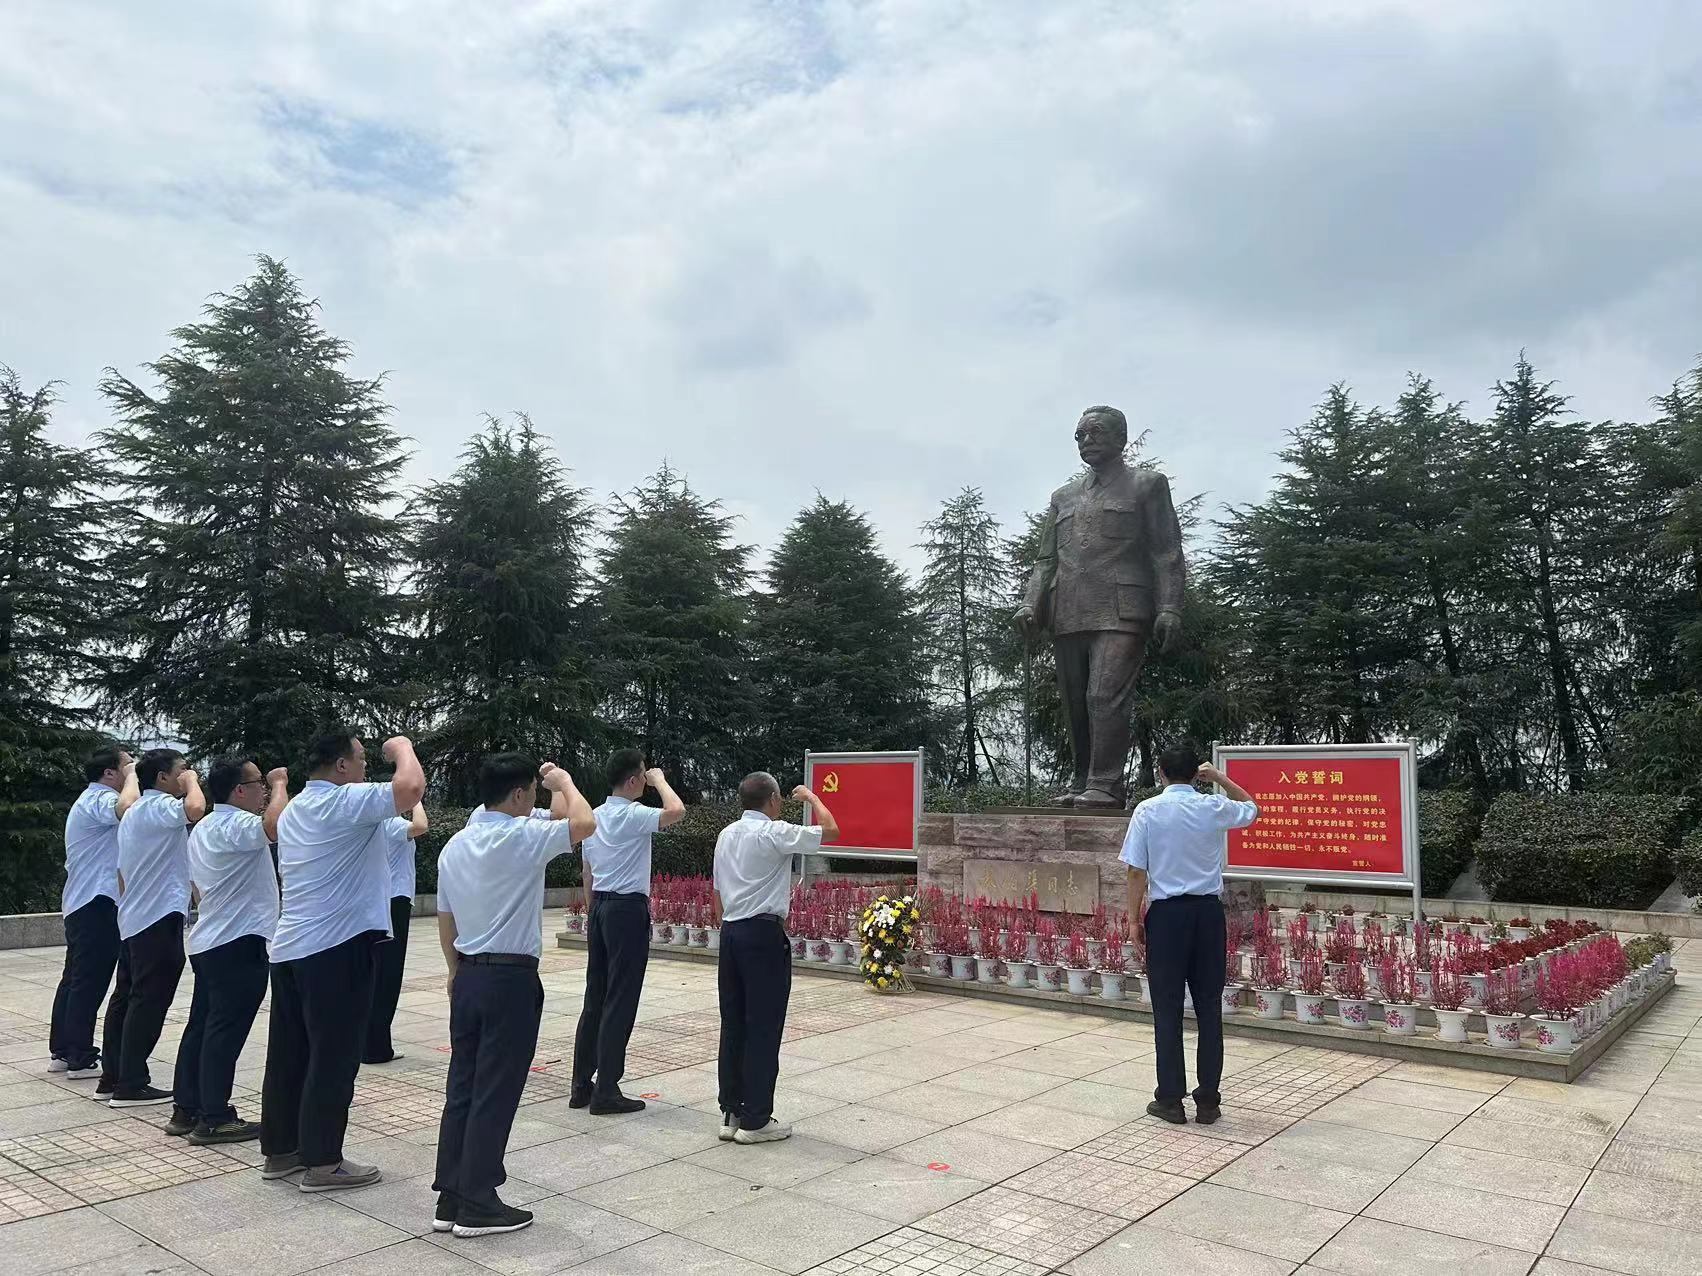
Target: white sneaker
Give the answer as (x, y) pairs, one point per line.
(57, 1065)
(729, 1127)
(773, 1132)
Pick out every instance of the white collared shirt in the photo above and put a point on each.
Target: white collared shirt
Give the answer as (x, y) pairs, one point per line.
(618, 853)
(1178, 837)
(490, 878)
(753, 864)
(335, 865)
(230, 862)
(153, 858)
(399, 849)
(91, 848)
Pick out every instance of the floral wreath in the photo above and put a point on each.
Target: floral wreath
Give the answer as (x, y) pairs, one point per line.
(886, 929)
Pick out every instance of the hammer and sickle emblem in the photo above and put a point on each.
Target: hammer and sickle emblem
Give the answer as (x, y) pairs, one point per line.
(830, 782)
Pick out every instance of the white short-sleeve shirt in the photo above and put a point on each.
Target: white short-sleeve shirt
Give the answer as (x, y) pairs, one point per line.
(91, 848)
(618, 853)
(230, 862)
(753, 864)
(153, 857)
(335, 866)
(399, 848)
(490, 878)
(1178, 837)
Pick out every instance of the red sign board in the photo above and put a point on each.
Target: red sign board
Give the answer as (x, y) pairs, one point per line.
(1328, 812)
(876, 797)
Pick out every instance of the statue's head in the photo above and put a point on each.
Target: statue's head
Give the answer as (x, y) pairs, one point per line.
(1101, 435)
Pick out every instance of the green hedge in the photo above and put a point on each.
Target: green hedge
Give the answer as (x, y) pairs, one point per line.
(1599, 850)
(1448, 825)
(1689, 864)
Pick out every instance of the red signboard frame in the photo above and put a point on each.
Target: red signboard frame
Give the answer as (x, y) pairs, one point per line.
(875, 797)
(1330, 815)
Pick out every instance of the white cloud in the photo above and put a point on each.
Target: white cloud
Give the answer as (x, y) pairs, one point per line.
(882, 248)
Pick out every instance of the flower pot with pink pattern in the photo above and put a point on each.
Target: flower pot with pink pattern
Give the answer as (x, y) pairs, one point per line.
(1451, 1025)
(1111, 987)
(1504, 1031)
(1232, 998)
(575, 923)
(988, 970)
(698, 937)
(844, 952)
(1048, 978)
(1017, 974)
(1400, 1019)
(1353, 1012)
(800, 948)
(1079, 982)
(1556, 1036)
(1422, 980)
(821, 950)
(1309, 1007)
(939, 965)
(712, 939)
(1267, 1003)
(963, 969)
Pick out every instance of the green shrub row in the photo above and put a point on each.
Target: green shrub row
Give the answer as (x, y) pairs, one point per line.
(1688, 861)
(1597, 850)
(1448, 825)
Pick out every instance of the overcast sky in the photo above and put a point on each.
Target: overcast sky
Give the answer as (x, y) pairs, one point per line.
(882, 248)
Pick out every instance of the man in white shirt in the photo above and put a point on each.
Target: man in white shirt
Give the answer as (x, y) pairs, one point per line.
(89, 905)
(230, 863)
(616, 881)
(335, 911)
(490, 905)
(753, 894)
(1176, 848)
(161, 799)
(391, 959)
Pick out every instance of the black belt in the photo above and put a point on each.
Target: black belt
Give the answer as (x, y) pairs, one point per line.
(499, 959)
(598, 896)
(759, 917)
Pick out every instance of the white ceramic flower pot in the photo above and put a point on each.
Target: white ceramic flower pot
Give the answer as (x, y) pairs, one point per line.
(800, 948)
(1309, 1007)
(1146, 989)
(1095, 950)
(1452, 1025)
(1422, 984)
(1353, 1012)
(1231, 998)
(1080, 982)
(974, 938)
(1034, 948)
(1048, 978)
(821, 950)
(939, 965)
(1556, 1036)
(656, 929)
(1503, 1031)
(712, 938)
(1477, 987)
(698, 937)
(1399, 1019)
(987, 970)
(1111, 985)
(575, 923)
(963, 968)
(1518, 934)
(1267, 1003)
(1016, 974)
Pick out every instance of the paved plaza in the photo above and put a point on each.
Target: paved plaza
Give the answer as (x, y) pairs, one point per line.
(935, 1136)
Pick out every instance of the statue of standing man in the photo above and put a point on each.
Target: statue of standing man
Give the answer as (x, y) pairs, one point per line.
(1108, 577)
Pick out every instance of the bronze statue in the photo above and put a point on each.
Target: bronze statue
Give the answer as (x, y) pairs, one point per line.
(1108, 577)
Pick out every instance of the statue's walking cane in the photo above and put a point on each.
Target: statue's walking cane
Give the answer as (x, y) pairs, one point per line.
(1027, 719)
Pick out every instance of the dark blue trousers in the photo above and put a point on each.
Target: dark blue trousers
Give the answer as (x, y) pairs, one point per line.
(230, 983)
(617, 934)
(149, 967)
(387, 967)
(755, 983)
(494, 1013)
(1184, 946)
(91, 955)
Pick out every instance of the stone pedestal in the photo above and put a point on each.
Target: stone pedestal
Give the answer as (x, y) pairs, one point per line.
(1088, 844)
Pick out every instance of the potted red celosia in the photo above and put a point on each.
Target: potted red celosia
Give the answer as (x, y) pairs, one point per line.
(1113, 965)
(1094, 929)
(1519, 928)
(1339, 947)
(1048, 974)
(988, 953)
(1300, 942)
(1268, 980)
(1353, 1010)
(1078, 967)
(1309, 994)
(1016, 953)
(1448, 997)
(1232, 984)
(1501, 1010)
(1558, 990)
(1400, 1002)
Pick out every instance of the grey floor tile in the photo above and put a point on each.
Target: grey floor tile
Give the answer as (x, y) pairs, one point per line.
(1350, 1145)
(1049, 1127)
(1018, 1225)
(908, 1252)
(889, 1188)
(313, 1234)
(988, 1157)
(1639, 1159)
(1370, 1247)
(576, 1163)
(775, 1164)
(1250, 1221)
(1468, 1213)
(1626, 1245)
(1108, 1187)
(566, 1232)
(1277, 1170)
(669, 1196)
(866, 1129)
(668, 1255)
(1095, 1099)
(1528, 1141)
(1387, 1118)
(57, 1242)
(1142, 1250)
(1422, 1095)
(1521, 1176)
(410, 1258)
(1651, 1200)
(786, 1231)
(939, 1102)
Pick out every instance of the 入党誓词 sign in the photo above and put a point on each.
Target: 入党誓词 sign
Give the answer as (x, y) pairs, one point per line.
(1329, 814)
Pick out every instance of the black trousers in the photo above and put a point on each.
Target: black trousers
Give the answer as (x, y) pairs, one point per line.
(230, 983)
(319, 1010)
(618, 934)
(493, 1034)
(150, 964)
(91, 955)
(755, 983)
(387, 965)
(1184, 946)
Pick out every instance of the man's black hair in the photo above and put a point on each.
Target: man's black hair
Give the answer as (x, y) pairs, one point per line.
(329, 747)
(501, 773)
(154, 764)
(225, 776)
(755, 790)
(623, 765)
(1180, 761)
(100, 762)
